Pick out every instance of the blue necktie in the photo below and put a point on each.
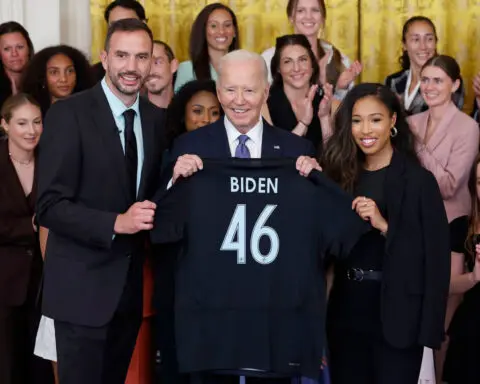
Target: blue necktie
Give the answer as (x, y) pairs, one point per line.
(242, 150)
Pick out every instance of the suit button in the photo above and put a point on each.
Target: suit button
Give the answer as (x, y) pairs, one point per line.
(29, 252)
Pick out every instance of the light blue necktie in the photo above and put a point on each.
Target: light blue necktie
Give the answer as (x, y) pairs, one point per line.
(242, 150)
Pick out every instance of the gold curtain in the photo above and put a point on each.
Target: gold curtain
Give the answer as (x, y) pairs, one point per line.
(260, 22)
(458, 29)
(369, 30)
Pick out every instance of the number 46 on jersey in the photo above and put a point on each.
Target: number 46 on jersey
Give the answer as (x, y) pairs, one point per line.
(238, 229)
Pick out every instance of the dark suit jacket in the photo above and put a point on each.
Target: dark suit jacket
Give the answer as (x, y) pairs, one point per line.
(98, 72)
(18, 240)
(416, 265)
(82, 187)
(211, 142)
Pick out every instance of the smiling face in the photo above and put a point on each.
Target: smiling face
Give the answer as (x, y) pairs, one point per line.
(371, 126)
(220, 30)
(242, 91)
(202, 109)
(127, 62)
(161, 72)
(436, 86)
(307, 18)
(420, 43)
(295, 66)
(24, 127)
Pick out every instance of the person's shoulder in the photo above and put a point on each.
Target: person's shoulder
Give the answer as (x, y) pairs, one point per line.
(74, 101)
(416, 173)
(198, 136)
(417, 117)
(394, 76)
(466, 122)
(288, 138)
(185, 67)
(148, 106)
(268, 53)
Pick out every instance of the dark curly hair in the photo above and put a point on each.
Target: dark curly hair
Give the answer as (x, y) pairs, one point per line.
(176, 110)
(342, 159)
(198, 40)
(35, 77)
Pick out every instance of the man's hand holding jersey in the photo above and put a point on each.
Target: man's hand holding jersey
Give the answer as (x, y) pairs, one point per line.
(187, 165)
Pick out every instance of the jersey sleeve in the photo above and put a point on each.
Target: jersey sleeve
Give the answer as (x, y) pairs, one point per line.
(170, 214)
(339, 226)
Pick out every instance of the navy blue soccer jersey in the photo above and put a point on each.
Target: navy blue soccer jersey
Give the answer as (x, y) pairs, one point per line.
(249, 283)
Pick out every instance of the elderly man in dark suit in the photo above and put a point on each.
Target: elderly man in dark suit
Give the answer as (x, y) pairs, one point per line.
(242, 89)
(100, 157)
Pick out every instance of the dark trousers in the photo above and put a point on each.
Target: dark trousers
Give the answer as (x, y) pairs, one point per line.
(208, 378)
(363, 358)
(101, 355)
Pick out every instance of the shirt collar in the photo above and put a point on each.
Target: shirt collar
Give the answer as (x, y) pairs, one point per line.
(116, 105)
(254, 134)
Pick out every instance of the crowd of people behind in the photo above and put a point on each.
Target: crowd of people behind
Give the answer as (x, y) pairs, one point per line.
(403, 150)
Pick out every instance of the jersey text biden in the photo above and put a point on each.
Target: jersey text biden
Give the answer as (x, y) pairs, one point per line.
(254, 185)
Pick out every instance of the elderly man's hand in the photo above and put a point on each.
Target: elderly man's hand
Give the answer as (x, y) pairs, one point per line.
(305, 164)
(186, 165)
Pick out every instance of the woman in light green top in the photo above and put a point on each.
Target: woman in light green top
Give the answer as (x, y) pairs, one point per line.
(214, 33)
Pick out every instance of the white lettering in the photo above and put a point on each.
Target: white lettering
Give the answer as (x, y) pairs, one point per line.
(234, 187)
(250, 185)
(254, 185)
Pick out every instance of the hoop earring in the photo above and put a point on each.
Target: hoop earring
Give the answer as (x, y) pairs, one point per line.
(393, 132)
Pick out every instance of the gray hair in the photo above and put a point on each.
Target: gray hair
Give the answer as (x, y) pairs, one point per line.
(243, 55)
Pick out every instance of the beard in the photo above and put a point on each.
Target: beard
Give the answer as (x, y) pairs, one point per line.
(128, 90)
(155, 88)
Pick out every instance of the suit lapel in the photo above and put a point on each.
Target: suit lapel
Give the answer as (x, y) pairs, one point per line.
(12, 182)
(108, 130)
(218, 143)
(442, 129)
(271, 147)
(148, 127)
(394, 191)
(418, 104)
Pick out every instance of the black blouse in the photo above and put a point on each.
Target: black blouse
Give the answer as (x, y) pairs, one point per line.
(283, 116)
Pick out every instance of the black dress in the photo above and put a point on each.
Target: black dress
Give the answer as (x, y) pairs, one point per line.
(463, 354)
(283, 116)
(358, 351)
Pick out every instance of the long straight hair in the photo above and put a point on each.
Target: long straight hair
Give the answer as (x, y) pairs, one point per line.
(198, 40)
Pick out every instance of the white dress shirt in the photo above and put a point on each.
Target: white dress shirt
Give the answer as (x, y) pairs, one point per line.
(254, 142)
(408, 98)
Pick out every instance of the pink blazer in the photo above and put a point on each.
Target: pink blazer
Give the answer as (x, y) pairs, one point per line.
(449, 155)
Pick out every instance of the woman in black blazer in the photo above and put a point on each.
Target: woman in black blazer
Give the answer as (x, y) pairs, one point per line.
(20, 260)
(389, 296)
